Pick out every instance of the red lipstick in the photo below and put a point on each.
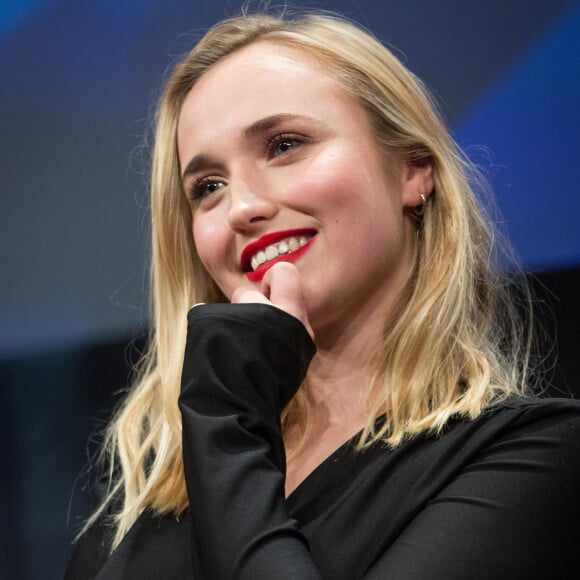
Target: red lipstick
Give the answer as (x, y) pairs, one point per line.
(267, 240)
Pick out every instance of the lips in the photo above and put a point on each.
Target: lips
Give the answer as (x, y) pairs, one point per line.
(283, 246)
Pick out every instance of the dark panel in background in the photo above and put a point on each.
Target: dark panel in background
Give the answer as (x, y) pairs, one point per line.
(559, 289)
(78, 80)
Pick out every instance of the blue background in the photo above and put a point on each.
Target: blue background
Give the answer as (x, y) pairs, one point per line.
(79, 80)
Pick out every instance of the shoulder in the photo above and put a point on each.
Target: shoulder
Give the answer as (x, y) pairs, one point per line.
(536, 413)
(527, 435)
(156, 546)
(90, 552)
(518, 434)
(525, 418)
(542, 405)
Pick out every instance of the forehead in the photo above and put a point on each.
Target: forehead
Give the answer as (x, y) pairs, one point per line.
(261, 77)
(262, 59)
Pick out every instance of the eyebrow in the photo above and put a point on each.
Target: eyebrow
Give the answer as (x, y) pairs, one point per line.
(268, 123)
(257, 128)
(197, 162)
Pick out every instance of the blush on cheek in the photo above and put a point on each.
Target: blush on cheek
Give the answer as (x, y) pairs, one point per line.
(213, 251)
(206, 239)
(201, 245)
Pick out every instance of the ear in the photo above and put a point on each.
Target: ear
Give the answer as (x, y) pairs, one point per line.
(416, 180)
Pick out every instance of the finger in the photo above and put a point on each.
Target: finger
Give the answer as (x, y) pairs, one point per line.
(248, 294)
(283, 286)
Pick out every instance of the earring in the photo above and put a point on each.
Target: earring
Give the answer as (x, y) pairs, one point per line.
(419, 210)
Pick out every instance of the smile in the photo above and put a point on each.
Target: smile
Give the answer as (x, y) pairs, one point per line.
(286, 246)
(273, 251)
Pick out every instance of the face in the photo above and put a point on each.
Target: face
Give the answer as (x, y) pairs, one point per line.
(280, 164)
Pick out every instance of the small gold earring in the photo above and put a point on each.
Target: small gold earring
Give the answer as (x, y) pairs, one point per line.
(419, 209)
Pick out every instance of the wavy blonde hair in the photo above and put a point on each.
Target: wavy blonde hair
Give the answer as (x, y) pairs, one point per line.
(454, 343)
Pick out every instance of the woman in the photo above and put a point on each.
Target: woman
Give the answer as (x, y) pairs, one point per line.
(353, 391)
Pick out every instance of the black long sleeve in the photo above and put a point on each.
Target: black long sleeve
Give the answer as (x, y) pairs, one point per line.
(242, 365)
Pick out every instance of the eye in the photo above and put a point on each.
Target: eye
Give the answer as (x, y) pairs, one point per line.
(282, 144)
(204, 187)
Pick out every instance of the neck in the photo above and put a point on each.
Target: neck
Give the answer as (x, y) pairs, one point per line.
(341, 371)
(336, 386)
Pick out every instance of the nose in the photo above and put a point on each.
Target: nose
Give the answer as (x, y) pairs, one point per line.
(249, 205)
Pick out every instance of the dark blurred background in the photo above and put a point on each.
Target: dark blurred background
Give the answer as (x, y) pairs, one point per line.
(78, 80)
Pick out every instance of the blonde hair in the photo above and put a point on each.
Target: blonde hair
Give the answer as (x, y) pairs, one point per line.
(453, 345)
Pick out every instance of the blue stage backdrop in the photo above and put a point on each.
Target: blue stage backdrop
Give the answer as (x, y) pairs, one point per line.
(78, 84)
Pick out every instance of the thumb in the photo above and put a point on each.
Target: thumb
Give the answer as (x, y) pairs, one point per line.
(283, 286)
(248, 294)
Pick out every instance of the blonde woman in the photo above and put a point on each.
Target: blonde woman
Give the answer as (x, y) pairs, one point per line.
(348, 397)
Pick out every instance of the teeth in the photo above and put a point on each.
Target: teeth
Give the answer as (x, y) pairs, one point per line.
(273, 251)
(258, 259)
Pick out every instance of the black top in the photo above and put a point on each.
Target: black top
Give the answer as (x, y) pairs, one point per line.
(494, 498)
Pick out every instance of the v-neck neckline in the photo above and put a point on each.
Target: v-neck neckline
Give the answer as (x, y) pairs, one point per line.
(330, 469)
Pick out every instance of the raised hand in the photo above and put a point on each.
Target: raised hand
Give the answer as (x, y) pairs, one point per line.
(281, 287)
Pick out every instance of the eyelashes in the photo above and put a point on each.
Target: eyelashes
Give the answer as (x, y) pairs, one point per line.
(204, 187)
(283, 144)
(279, 146)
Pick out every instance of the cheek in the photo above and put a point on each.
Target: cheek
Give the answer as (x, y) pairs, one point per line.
(344, 175)
(210, 243)
(325, 184)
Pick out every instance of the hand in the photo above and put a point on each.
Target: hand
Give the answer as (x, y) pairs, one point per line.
(281, 287)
